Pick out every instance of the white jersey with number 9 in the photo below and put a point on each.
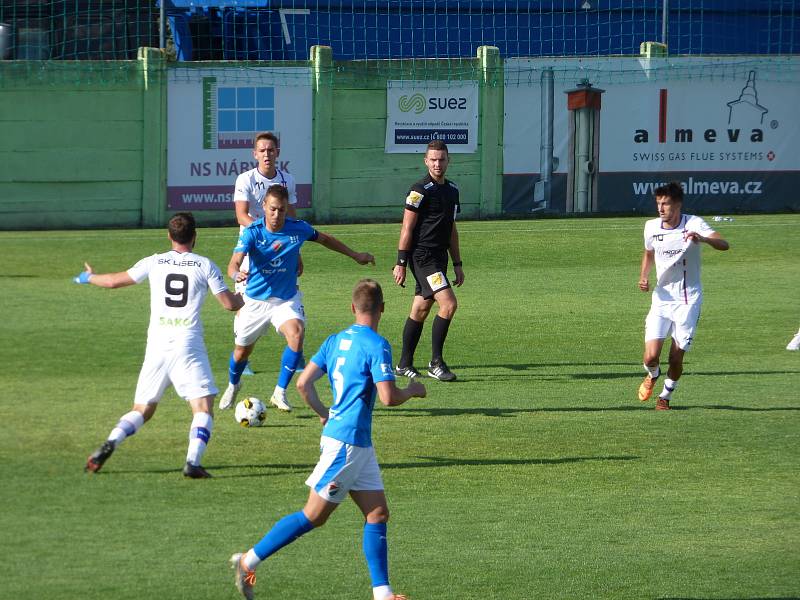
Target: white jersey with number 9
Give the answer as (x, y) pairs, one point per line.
(178, 286)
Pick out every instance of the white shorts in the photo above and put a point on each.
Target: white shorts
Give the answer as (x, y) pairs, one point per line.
(186, 368)
(256, 315)
(342, 468)
(676, 318)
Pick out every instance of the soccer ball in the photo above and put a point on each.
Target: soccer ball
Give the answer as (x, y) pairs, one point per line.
(250, 412)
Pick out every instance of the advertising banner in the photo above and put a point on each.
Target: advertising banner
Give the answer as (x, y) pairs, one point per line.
(725, 128)
(212, 123)
(420, 111)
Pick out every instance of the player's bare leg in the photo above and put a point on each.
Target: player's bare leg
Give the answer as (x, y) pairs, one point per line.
(652, 352)
(674, 373)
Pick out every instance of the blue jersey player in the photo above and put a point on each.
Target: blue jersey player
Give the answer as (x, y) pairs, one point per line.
(271, 296)
(358, 363)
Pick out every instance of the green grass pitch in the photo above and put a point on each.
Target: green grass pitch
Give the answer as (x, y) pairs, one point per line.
(537, 475)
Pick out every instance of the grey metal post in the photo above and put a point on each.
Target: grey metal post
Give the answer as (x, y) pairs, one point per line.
(162, 31)
(542, 188)
(664, 20)
(583, 157)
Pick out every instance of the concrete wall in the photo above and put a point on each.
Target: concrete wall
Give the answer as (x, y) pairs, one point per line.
(354, 179)
(82, 155)
(93, 154)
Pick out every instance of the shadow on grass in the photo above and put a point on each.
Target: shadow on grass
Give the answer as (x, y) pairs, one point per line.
(423, 462)
(526, 366)
(741, 408)
(633, 375)
(635, 367)
(427, 462)
(496, 412)
(511, 412)
(686, 373)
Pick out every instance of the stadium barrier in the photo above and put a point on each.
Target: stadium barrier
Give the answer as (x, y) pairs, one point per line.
(100, 153)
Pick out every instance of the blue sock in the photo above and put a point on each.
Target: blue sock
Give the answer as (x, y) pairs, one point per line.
(285, 531)
(289, 362)
(376, 552)
(235, 370)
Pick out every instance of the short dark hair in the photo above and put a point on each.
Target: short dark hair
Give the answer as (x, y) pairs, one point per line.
(182, 227)
(266, 135)
(276, 190)
(437, 145)
(368, 296)
(672, 190)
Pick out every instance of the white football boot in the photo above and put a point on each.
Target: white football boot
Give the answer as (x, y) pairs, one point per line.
(229, 397)
(795, 343)
(280, 402)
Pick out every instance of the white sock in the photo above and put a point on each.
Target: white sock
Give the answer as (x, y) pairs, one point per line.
(669, 387)
(129, 423)
(382, 592)
(199, 435)
(653, 371)
(279, 391)
(251, 560)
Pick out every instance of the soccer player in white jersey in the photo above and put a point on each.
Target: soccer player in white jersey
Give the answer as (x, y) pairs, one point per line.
(176, 353)
(358, 362)
(273, 245)
(251, 187)
(672, 242)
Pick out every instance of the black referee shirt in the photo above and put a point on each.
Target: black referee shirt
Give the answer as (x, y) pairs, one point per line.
(436, 206)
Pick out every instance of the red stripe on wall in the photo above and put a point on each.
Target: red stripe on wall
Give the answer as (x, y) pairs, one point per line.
(662, 116)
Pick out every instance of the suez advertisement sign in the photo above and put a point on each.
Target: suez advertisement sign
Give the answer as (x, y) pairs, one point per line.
(420, 111)
(212, 120)
(715, 124)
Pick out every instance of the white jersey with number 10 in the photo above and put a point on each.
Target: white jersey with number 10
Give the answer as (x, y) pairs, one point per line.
(677, 259)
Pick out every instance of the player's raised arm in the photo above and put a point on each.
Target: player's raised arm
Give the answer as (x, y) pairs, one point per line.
(243, 213)
(305, 386)
(715, 240)
(334, 244)
(104, 280)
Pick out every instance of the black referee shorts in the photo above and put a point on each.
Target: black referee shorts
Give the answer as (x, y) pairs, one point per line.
(429, 268)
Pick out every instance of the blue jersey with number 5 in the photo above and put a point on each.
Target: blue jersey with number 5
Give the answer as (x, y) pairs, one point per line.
(355, 360)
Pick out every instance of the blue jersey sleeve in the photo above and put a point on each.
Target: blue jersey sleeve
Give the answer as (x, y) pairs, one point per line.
(307, 231)
(245, 241)
(381, 363)
(321, 357)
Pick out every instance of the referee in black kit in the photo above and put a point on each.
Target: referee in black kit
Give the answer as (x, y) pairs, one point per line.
(428, 232)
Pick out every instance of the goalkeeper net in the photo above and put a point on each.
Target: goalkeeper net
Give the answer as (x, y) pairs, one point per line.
(365, 35)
